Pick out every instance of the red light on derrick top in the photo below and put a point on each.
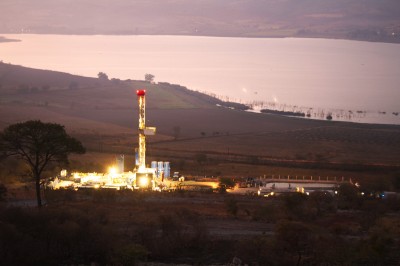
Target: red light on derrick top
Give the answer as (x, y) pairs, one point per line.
(140, 92)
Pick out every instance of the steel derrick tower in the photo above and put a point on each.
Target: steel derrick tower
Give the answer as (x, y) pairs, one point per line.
(143, 130)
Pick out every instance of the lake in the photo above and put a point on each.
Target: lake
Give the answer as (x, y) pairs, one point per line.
(353, 80)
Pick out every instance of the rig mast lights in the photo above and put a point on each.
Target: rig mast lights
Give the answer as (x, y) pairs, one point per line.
(143, 131)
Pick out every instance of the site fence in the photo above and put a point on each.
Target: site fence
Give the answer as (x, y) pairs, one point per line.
(305, 179)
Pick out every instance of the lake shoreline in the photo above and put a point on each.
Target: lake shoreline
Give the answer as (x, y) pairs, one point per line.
(4, 39)
(293, 74)
(322, 37)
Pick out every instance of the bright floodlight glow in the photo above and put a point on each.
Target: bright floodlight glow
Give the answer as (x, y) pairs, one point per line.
(112, 170)
(63, 173)
(143, 182)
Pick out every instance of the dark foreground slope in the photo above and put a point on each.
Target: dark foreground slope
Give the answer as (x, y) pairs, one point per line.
(103, 114)
(108, 227)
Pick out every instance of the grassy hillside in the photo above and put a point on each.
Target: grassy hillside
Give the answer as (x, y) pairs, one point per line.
(200, 136)
(365, 20)
(103, 114)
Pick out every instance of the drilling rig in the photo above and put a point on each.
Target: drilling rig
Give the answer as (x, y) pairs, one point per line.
(142, 177)
(145, 177)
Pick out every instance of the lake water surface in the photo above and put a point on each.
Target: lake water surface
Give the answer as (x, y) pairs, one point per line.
(327, 75)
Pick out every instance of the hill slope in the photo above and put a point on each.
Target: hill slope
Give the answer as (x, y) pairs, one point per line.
(103, 114)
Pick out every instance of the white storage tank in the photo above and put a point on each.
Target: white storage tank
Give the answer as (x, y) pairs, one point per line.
(167, 169)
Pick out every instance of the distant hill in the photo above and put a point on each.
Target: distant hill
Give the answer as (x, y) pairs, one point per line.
(106, 101)
(104, 115)
(370, 20)
(13, 77)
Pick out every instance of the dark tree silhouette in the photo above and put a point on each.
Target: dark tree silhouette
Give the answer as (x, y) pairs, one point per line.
(38, 144)
(295, 239)
(102, 76)
(149, 78)
(225, 183)
(3, 192)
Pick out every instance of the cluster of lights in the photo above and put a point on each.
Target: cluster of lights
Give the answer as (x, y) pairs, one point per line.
(143, 181)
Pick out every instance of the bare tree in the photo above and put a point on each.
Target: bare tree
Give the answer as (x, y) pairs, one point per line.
(102, 76)
(149, 78)
(38, 144)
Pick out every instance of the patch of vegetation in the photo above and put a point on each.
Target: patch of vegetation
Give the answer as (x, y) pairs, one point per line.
(3, 192)
(167, 98)
(288, 113)
(200, 228)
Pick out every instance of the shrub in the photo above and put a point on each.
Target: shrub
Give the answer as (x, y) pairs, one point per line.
(225, 183)
(3, 192)
(130, 254)
(62, 236)
(268, 213)
(104, 195)
(231, 206)
(59, 195)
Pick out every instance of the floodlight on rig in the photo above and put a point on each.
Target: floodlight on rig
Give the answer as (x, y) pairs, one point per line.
(144, 181)
(112, 171)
